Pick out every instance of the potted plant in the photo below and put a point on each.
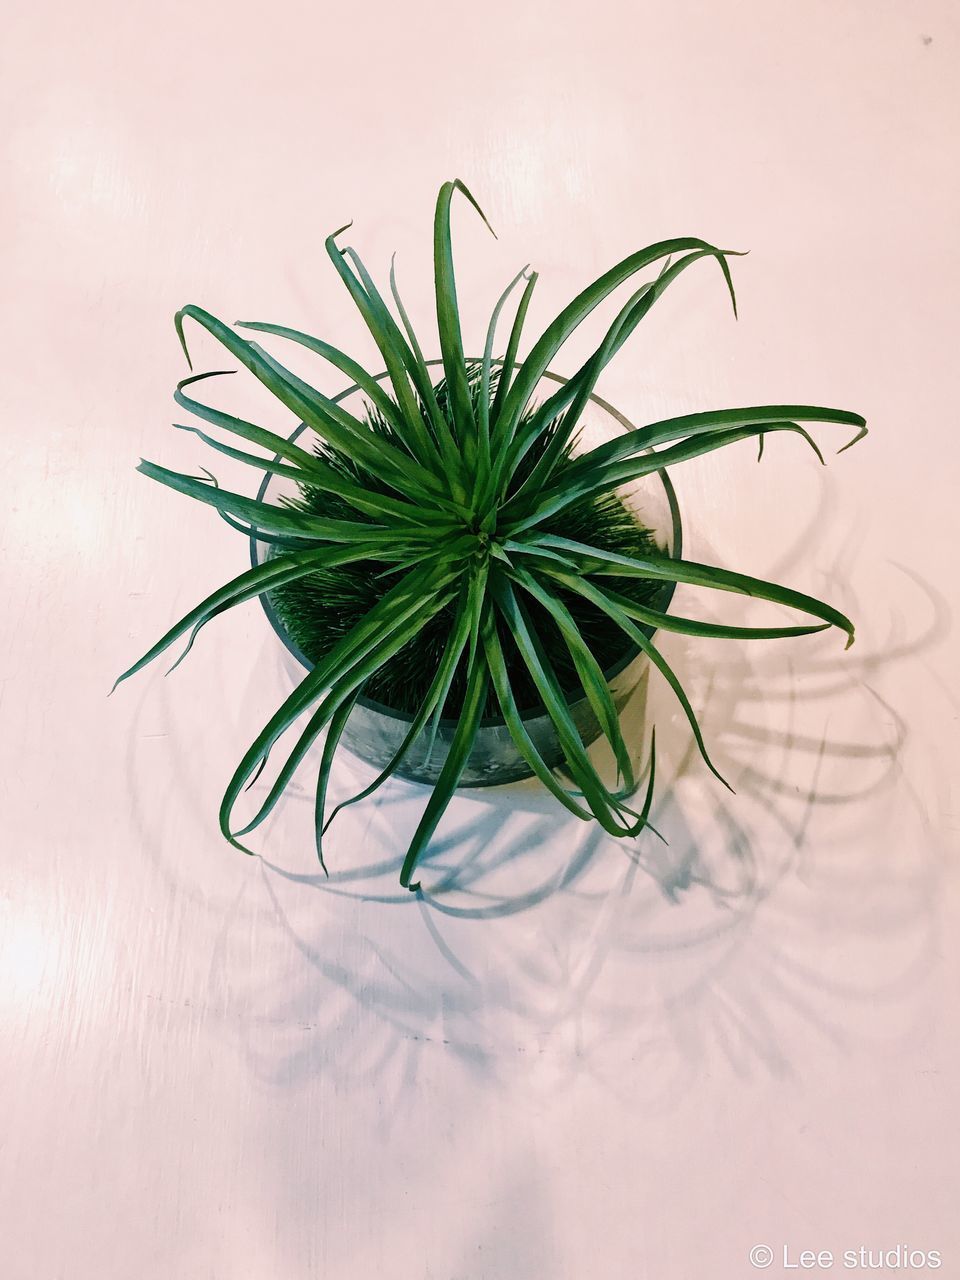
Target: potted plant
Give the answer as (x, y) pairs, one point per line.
(471, 591)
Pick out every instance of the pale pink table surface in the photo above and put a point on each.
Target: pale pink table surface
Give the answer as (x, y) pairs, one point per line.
(569, 1064)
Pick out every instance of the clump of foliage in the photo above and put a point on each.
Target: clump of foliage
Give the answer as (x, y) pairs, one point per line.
(486, 529)
(322, 607)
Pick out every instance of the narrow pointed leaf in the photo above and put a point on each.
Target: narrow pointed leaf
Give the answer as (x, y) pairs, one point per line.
(592, 560)
(284, 520)
(448, 320)
(605, 478)
(370, 386)
(413, 595)
(601, 803)
(436, 696)
(573, 315)
(510, 358)
(246, 586)
(453, 767)
(327, 417)
(639, 638)
(338, 722)
(592, 679)
(518, 731)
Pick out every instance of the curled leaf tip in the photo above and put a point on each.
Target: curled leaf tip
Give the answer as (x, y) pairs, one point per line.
(816, 449)
(856, 439)
(200, 377)
(178, 324)
(251, 853)
(459, 185)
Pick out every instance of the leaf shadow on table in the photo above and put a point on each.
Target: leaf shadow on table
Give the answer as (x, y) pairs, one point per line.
(563, 944)
(542, 947)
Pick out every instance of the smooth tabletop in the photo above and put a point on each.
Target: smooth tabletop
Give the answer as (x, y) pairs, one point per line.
(569, 1058)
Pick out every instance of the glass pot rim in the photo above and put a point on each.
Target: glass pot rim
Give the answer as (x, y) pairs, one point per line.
(610, 673)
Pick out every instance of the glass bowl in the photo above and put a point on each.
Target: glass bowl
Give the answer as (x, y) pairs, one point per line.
(374, 732)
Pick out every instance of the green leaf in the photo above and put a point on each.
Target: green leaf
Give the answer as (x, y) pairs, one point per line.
(338, 722)
(576, 486)
(435, 699)
(657, 620)
(254, 582)
(632, 443)
(510, 358)
(500, 677)
(369, 385)
(448, 321)
(411, 359)
(602, 600)
(577, 392)
(483, 406)
(416, 597)
(248, 431)
(327, 478)
(418, 368)
(452, 771)
(383, 330)
(588, 670)
(572, 316)
(594, 561)
(284, 520)
(602, 804)
(329, 419)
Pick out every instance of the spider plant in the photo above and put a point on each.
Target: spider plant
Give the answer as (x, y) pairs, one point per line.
(468, 519)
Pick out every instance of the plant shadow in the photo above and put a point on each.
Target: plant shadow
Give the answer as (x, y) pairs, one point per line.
(583, 962)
